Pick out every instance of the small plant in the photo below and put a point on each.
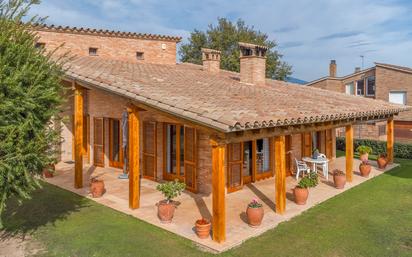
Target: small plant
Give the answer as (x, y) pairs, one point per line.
(254, 204)
(364, 149)
(171, 189)
(315, 150)
(337, 172)
(383, 155)
(311, 180)
(365, 163)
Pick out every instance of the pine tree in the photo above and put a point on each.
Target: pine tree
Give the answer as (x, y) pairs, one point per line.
(225, 38)
(30, 98)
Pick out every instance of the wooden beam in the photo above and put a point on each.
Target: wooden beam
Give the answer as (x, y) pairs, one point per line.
(218, 192)
(390, 139)
(134, 158)
(280, 174)
(78, 135)
(349, 152)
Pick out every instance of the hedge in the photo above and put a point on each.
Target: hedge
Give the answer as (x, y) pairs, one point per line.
(400, 150)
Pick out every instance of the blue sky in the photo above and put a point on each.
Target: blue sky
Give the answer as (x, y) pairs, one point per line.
(309, 33)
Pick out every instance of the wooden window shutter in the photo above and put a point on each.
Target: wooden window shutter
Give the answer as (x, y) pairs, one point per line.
(98, 142)
(306, 144)
(149, 150)
(190, 147)
(235, 166)
(329, 143)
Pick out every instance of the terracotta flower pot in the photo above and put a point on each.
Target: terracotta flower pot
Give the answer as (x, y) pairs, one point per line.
(364, 157)
(382, 162)
(365, 169)
(301, 195)
(340, 181)
(203, 227)
(47, 171)
(254, 216)
(97, 188)
(165, 211)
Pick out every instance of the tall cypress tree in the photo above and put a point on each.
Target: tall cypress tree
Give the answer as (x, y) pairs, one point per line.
(30, 96)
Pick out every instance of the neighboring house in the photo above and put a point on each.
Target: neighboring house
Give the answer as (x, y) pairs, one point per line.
(384, 82)
(213, 129)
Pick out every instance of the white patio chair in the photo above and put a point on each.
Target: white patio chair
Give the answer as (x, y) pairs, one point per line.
(324, 166)
(301, 166)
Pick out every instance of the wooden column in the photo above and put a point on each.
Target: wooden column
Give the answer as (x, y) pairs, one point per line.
(349, 152)
(78, 135)
(134, 157)
(390, 139)
(218, 192)
(280, 174)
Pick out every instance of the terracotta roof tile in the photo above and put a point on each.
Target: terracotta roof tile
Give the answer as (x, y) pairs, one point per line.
(220, 100)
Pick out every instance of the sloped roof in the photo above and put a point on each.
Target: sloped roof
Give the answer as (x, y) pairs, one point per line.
(395, 67)
(106, 33)
(221, 101)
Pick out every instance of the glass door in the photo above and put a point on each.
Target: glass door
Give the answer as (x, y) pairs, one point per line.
(115, 144)
(263, 158)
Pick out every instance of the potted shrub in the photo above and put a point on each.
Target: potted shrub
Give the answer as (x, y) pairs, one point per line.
(339, 179)
(301, 191)
(365, 169)
(203, 227)
(315, 153)
(382, 160)
(254, 213)
(166, 208)
(48, 171)
(97, 187)
(364, 152)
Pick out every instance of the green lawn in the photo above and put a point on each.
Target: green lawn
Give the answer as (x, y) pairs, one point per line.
(373, 219)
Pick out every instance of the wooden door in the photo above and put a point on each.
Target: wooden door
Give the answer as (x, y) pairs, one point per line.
(263, 159)
(116, 157)
(235, 167)
(98, 142)
(149, 150)
(329, 143)
(306, 144)
(289, 159)
(190, 146)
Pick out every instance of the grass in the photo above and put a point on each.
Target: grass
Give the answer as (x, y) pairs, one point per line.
(373, 219)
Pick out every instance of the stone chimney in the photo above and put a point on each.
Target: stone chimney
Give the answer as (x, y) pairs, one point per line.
(332, 68)
(357, 69)
(211, 60)
(252, 63)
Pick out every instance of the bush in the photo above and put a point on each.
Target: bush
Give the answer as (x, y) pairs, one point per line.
(171, 189)
(401, 150)
(311, 180)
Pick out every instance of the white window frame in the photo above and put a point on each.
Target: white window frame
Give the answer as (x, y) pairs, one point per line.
(356, 88)
(399, 92)
(350, 84)
(367, 88)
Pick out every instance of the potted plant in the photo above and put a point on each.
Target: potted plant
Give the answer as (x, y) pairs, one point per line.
(382, 160)
(339, 178)
(364, 152)
(48, 171)
(315, 153)
(203, 227)
(254, 213)
(97, 187)
(365, 168)
(301, 191)
(166, 208)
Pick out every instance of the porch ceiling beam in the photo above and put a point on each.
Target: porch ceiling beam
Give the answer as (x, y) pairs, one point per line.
(349, 152)
(134, 157)
(78, 134)
(218, 192)
(390, 139)
(280, 174)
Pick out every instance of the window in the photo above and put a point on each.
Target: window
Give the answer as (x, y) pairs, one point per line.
(92, 51)
(382, 130)
(397, 97)
(40, 45)
(349, 89)
(262, 155)
(360, 87)
(172, 148)
(140, 55)
(370, 86)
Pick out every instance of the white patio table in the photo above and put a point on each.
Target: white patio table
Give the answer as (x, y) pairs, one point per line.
(317, 161)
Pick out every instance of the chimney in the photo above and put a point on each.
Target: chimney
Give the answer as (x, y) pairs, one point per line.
(252, 63)
(357, 69)
(332, 68)
(211, 60)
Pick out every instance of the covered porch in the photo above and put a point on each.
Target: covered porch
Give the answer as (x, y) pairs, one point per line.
(193, 206)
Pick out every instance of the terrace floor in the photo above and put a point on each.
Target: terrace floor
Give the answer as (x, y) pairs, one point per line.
(193, 206)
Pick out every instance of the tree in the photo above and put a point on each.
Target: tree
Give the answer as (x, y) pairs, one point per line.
(225, 38)
(30, 94)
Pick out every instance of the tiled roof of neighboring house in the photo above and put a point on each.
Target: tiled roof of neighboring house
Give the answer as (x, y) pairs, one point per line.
(338, 78)
(221, 101)
(106, 33)
(395, 67)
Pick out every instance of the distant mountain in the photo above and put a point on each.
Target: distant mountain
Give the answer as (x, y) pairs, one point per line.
(295, 80)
